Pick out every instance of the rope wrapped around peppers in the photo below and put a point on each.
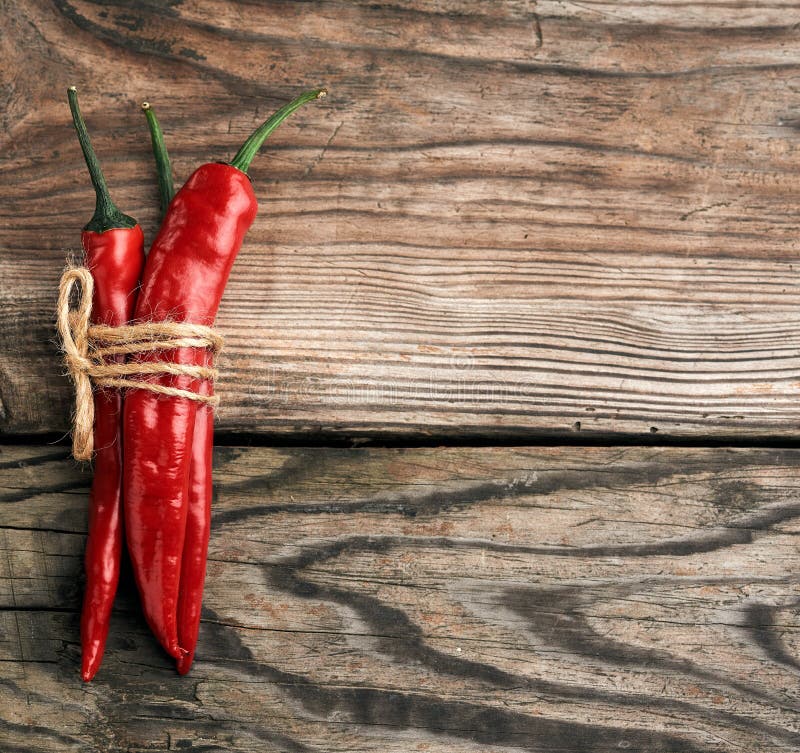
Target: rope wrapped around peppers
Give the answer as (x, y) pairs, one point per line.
(165, 422)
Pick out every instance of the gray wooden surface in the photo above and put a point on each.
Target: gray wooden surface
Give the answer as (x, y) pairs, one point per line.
(507, 218)
(510, 222)
(476, 599)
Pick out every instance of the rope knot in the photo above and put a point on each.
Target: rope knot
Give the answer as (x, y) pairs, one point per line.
(95, 355)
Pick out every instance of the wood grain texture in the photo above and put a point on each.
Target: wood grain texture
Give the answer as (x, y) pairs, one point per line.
(508, 217)
(579, 600)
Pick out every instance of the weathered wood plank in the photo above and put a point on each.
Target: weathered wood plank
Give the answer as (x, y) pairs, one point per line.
(571, 600)
(508, 217)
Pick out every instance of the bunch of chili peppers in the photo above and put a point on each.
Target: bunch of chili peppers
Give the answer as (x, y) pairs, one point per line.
(153, 452)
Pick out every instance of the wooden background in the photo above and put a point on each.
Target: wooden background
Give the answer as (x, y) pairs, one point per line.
(511, 224)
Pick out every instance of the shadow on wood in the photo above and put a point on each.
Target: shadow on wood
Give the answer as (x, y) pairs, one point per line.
(579, 600)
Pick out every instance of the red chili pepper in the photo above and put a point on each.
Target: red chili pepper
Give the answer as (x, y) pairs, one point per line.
(198, 532)
(198, 517)
(113, 246)
(184, 279)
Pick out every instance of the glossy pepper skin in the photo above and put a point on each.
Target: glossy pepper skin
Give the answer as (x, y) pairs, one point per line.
(184, 279)
(113, 246)
(115, 258)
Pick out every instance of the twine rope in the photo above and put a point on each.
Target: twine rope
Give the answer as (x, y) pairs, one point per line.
(87, 348)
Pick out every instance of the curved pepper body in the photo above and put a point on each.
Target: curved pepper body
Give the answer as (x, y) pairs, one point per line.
(184, 279)
(115, 258)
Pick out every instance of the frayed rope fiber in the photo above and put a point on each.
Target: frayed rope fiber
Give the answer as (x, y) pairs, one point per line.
(87, 347)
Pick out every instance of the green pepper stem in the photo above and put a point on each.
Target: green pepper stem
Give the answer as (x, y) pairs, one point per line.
(106, 214)
(166, 187)
(250, 147)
